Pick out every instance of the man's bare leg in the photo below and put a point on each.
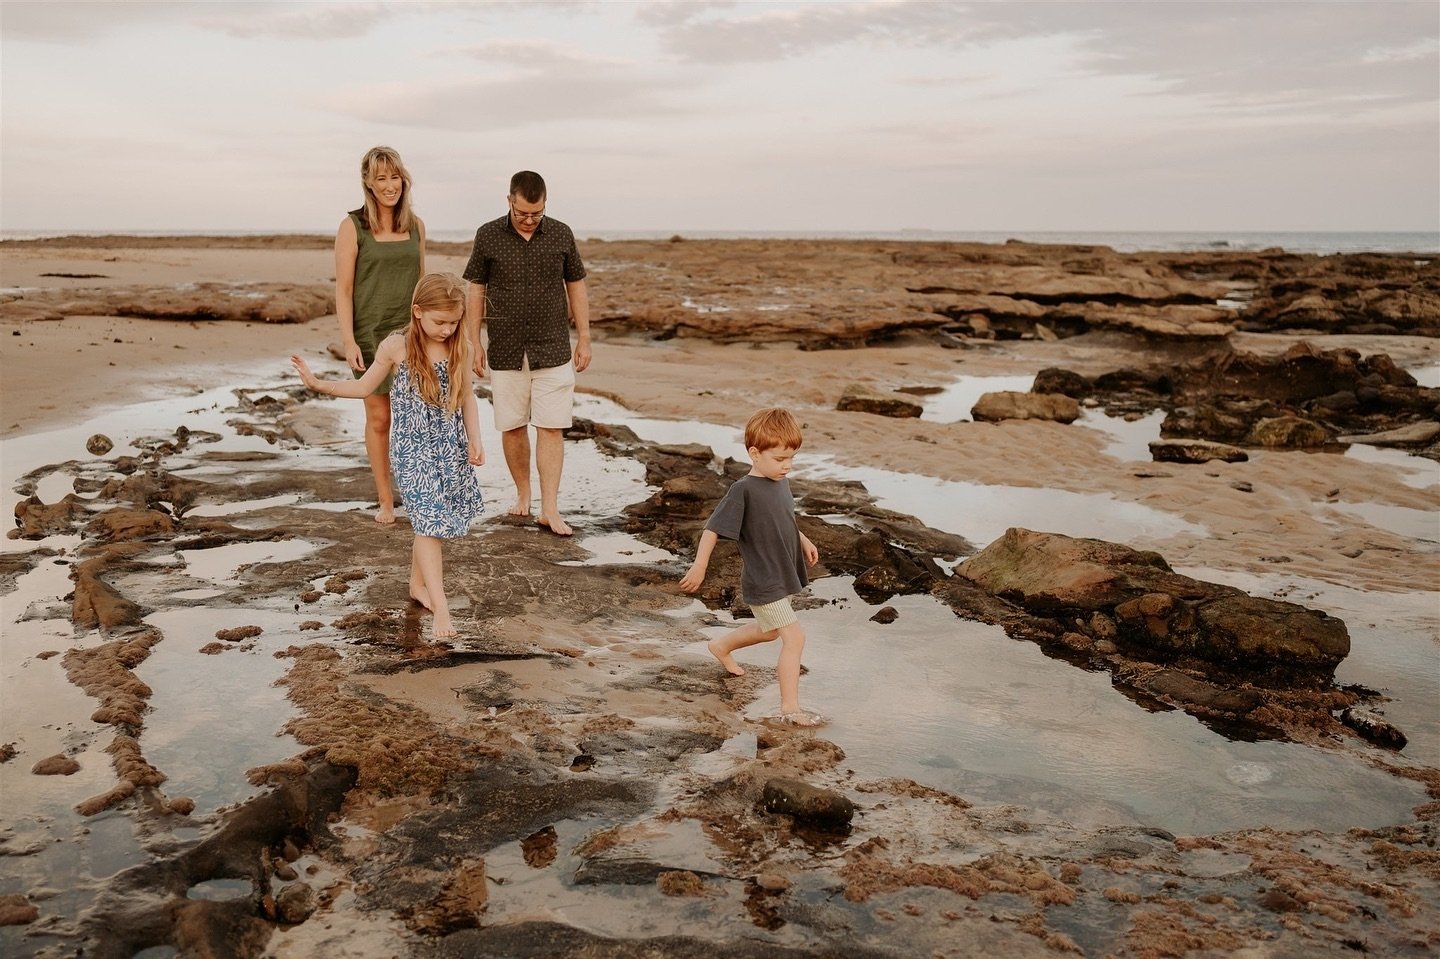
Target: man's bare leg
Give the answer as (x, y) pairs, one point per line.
(377, 450)
(432, 570)
(549, 461)
(516, 444)
(724, 648)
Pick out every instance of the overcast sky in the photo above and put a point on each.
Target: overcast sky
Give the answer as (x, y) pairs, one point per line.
(727, 116)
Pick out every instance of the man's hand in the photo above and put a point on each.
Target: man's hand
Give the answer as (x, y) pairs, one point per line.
(582, 355)
(478, 368)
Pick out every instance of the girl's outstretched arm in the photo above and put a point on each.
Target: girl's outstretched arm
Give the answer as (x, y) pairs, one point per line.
(385, 361)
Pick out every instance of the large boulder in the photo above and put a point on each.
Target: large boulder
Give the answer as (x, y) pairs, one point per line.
(1010, 405)
(862, 399)
(1195, 451)
(1157, 613)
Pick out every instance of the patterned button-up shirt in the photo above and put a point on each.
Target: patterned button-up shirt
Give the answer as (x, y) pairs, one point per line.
(526, 309)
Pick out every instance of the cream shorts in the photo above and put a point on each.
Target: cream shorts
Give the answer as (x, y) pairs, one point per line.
(774, 615)
(542, 398)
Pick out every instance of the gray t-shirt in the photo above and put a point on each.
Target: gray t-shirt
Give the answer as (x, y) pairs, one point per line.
(759, 514)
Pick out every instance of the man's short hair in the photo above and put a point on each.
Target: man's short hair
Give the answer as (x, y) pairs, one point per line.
(772, 428)
(528, 186)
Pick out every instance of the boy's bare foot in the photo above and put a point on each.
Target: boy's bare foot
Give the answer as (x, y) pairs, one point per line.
(443, 628)
(726, 660)
(556, 525)
(802, 718)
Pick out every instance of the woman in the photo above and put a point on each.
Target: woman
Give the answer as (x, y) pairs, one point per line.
(379, 257)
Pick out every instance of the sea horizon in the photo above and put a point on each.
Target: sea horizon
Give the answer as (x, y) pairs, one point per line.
(1122, 241)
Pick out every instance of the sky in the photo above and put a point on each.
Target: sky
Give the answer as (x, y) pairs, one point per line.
(1263, 115)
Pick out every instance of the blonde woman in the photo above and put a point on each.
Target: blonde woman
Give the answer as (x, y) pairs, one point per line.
(379, 257)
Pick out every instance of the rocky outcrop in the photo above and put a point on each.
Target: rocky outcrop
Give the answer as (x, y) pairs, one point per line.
(254, 302)
(1165, 615)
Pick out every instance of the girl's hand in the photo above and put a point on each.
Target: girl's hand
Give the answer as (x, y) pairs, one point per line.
(306, 377)
(475, 454)
(693, 578)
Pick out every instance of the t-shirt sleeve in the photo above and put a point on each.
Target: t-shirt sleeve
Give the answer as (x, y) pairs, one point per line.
(478, 269)
(725, 521)
(574, 267)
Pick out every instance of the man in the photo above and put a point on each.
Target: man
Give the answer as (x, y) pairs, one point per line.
(527, 281)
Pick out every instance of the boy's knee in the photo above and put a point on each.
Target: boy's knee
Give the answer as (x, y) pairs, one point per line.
(794, 634)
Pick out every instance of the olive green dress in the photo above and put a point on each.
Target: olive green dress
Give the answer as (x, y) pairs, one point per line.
(385, 277)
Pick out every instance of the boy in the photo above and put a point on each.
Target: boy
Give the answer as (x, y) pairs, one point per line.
(758, 512)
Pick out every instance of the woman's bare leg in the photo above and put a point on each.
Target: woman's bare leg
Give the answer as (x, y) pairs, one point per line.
(377, 448)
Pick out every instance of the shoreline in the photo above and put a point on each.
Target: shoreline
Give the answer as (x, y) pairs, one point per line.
(616, 672)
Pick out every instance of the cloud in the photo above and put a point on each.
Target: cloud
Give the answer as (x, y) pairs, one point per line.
(308, 21)
(69, 22)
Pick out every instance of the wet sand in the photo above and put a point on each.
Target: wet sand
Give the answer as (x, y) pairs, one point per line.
(565, 657)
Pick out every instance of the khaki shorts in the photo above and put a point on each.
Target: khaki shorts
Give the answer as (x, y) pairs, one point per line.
(776, 615)
(542, 398)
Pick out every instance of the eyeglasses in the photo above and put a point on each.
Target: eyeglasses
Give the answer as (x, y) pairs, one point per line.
(527, 217)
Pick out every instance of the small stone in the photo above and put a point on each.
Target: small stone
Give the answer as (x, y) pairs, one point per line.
(1242, 486)
(772, 882)
(295, 903)
(59, 765)
(1277, 901)
(885, 615)
(99, 444)
(16, 910)
(183, 805)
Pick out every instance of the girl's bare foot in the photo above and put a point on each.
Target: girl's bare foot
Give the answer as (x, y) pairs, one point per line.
(418, 594)
(385, 515)
(802, 718)
(442, 627)
(726, 660)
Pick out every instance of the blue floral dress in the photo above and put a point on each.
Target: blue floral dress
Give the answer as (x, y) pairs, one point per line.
(428, 457)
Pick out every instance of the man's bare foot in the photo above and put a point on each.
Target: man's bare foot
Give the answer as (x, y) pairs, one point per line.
(385, 515)
(557, 525)
(420, 596)
(726, 660)
(521, 506)
(443, 628)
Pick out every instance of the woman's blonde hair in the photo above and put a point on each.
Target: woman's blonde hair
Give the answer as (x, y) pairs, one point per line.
(376, 159)
(772, 428)
(444, 292)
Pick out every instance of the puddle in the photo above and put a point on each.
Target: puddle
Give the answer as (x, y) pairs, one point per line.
(960, 706)
(954, 402)
(1394, 638)
(1129, 439)
(1406, 521)
(230, 509)
(1427, 375)
(609, 548)
(1414, 471)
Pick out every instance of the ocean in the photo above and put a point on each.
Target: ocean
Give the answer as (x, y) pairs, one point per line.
(1124, 242)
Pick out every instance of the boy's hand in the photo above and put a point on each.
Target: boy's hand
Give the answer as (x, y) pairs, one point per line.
(812, 555)
(692, 579)
(475, 454)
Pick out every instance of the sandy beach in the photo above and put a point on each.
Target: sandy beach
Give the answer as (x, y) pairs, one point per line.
(573, 775)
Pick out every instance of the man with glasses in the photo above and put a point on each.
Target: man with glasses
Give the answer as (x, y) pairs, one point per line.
(526, 282)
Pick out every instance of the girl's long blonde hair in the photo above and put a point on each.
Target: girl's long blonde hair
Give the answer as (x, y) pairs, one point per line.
(375, 159)
(446, 292)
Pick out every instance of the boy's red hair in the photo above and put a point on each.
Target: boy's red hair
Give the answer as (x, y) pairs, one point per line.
(772, 428)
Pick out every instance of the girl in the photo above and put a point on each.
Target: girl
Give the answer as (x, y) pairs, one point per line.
(379, 254)
(435, 434)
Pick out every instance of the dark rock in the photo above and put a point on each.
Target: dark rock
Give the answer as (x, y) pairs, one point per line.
(885, 615)
(296, 902)
(1287, 432)
(821, 807)
(862, 399)
(1055, 380)
(1195, 451)
(99, 444)
(1374, 727)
